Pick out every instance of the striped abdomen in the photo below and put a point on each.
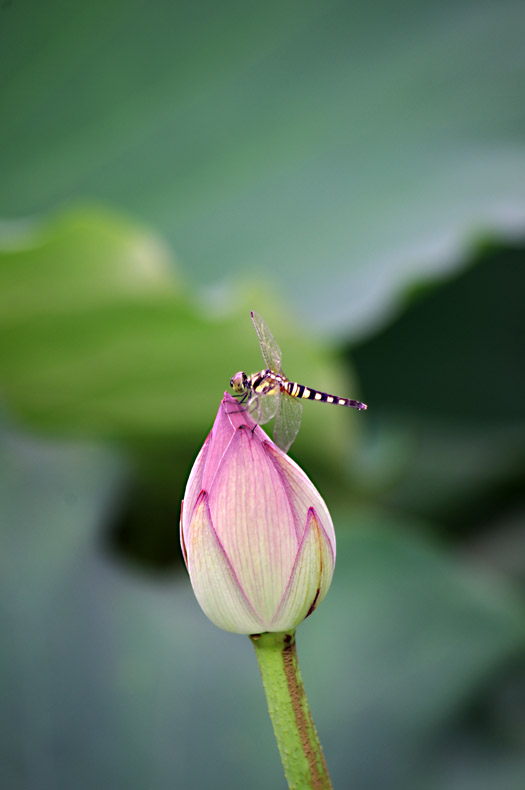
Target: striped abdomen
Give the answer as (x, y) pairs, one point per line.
(300, 391)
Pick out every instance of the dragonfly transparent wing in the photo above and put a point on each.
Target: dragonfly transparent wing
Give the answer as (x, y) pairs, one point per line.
(262, 407)
(269, 348)
(287, 422)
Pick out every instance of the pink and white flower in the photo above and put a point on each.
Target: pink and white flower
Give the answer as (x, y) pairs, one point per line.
(256, 535)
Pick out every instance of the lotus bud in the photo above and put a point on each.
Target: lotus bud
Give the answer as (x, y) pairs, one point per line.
(256, 535)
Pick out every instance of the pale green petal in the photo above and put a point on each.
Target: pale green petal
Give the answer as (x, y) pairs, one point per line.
(214, 582)
(310, 579)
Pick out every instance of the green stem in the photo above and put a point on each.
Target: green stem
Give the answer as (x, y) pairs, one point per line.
(301, 753)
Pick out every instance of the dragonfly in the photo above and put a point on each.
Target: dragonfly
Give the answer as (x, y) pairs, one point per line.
(269, 393)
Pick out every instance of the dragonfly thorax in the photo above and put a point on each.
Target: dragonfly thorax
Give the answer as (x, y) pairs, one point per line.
(239, 382)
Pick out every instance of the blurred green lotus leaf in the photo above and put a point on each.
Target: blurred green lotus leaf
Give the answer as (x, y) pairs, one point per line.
(339, 148)
(98, 337)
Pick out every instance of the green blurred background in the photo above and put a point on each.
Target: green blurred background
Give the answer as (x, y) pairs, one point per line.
(356, 173)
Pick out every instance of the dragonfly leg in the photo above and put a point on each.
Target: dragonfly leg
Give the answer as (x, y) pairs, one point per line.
(240, 405)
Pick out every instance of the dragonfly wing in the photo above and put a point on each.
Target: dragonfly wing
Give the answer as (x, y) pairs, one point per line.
(262, 408)
(288, 421)
(269, 348)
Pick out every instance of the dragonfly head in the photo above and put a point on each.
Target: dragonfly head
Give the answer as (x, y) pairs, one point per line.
(239, 382)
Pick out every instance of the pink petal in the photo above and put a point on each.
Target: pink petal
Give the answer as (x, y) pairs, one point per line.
(254, 521)
(301, 492)
(194, 487)
(182, 541)
(230, 417)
